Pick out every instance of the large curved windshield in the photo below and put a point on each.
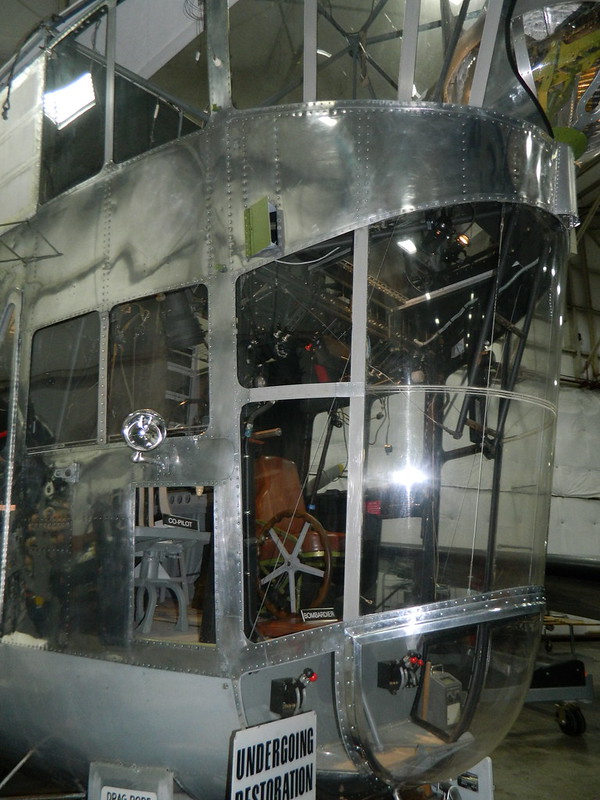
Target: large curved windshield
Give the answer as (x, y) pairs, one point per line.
(462, 315)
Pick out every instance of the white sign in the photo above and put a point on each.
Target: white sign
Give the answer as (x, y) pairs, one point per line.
(181, 522)
(116, 793)
(275, 761)
(317, 614)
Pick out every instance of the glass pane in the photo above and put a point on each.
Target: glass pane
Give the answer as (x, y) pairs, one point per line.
(296, 502)
(294, 318)
(444, 689)
(266, 44)
(456, 700)
(159, 360)
(74, 103)
(446, 673)
(185, 77)
(447, 50)
(162, 47)
(358, 49)
(562, 49)
(63, 386)
(143, 120)
(513, 648)
(173, 566)
(437, 313)
(147, 110)
(463, 311)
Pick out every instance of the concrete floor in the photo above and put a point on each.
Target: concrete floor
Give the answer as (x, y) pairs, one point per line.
(536, 761)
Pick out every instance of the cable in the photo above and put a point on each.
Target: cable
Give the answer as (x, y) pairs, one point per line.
(45, 25)
(306, 263)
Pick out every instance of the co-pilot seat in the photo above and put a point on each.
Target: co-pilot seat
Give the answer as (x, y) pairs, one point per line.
(162, 566)
(154, 576)
(277, 489)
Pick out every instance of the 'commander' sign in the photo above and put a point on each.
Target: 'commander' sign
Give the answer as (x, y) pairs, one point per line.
(275, 761)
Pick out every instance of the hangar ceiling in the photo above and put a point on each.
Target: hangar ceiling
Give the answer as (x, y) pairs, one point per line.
(581, 353)
(19, 17)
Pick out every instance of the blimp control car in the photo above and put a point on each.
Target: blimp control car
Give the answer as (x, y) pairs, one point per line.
(280, 310)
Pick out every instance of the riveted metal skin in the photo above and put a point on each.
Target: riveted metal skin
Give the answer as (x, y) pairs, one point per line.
(170, 219)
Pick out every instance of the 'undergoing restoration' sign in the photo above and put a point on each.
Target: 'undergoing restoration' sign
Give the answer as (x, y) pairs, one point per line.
(275, 761)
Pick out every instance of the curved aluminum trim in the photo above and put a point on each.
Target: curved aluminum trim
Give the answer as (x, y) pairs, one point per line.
(324, 181)
(501, 604)
(332, 167)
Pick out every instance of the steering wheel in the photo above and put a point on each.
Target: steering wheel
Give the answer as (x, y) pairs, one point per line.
(295, 568)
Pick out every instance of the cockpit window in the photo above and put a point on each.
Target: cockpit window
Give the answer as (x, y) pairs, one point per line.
(453, 394)
(295, 511)
(459, 356)
(146, 113)
(63, 392)
(147, 116)
(294, 318)
(74, 109)
(158, 359)
(280, 78)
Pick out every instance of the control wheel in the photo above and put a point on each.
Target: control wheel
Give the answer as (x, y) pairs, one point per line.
(294, 556)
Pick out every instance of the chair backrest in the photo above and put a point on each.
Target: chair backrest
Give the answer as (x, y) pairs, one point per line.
(277, 488)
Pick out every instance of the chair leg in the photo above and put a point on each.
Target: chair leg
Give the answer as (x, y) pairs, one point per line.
(140, 595)
(181, 594)
(146, 619)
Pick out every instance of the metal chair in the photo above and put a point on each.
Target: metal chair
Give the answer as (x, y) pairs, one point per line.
(154, 566)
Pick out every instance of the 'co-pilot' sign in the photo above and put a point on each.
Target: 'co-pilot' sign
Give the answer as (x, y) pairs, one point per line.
(275, 761)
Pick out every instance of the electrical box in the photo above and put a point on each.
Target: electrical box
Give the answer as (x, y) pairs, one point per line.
(260, 227)
(441, 700)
